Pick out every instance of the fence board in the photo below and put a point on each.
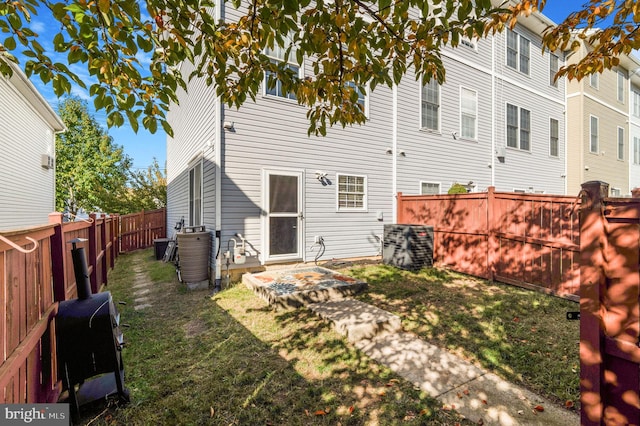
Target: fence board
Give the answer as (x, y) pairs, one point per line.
(138, 230)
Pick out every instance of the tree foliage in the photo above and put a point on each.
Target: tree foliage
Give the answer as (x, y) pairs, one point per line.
(91, 171)
(349, 44)
(147, 189)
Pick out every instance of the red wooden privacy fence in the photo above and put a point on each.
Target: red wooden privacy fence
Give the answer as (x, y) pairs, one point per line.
(36, 272)
(609, 308)
(138, 230)
(530, 240)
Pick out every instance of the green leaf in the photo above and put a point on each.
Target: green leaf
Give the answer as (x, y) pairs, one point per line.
(10, 43)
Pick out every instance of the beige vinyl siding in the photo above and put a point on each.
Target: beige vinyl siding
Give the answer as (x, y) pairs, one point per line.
(27, 190)
(604, 165)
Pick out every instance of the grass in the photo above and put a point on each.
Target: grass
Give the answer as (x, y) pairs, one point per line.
(521, 335)
(232, 360)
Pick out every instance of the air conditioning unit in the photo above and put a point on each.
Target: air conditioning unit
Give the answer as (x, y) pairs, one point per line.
(47, 162)
(408, 246)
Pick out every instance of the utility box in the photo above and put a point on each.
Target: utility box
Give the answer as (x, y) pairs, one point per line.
(408, 246)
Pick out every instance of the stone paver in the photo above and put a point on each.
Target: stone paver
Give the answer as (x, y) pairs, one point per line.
(143, 306)
(357, 320)
(141, 292)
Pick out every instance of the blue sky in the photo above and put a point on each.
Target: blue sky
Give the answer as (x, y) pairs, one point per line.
(144, 146)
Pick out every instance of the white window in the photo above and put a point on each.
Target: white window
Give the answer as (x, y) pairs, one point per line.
(636, 150)
(553, 137)
(593, 132)
(620, 143)
(467, 42)
(431, 105)
(518, 52)
(615, 192)
(429, 188)
(621, 79)
(468, 113)
(362, 97)
(594, 80)
(273, 86)
(553, 70)
(195, 194)
(518, 128)
(636, 103)
(352, 193)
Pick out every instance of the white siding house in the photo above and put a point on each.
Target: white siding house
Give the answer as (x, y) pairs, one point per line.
(256, 173)
(27, 153)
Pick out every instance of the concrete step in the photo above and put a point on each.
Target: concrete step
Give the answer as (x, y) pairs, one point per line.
(293, 288)
(357, 320)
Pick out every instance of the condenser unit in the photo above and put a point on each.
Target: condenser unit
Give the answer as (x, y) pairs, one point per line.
(408, 246)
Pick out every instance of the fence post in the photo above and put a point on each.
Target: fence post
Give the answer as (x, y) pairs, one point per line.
(492, 239)
(92, 253)
(592, 282)
(103, 250)
(57, 258)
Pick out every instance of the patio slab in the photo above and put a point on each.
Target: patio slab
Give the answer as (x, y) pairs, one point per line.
(293, 288)
(357, 320)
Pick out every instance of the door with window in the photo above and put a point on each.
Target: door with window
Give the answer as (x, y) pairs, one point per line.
(283, 219)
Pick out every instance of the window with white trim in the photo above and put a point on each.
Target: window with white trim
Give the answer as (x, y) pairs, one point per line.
(518, 128)
(468, 113)
(620, 143)
(429, 188)
(594, 80)
(615, 192)
(593, 134)
(362, 97)
(636, 103)
(518, 52)
(636, 150)
(352, 192)
(273, 86)
(554, 133)
(553, 69)
(195, 194)
(620, 86)
(431, 105)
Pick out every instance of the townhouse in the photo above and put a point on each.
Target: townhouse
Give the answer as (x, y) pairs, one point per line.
(253, 174)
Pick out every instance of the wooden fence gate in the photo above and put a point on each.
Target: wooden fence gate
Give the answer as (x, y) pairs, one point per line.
(609, 307)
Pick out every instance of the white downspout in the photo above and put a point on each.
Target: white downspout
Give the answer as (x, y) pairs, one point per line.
(493, 111)
(219, 139)
(394, 142)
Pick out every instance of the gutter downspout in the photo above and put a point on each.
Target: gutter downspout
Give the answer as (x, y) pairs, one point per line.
(493, 111)
(218, 142)
(394, 142)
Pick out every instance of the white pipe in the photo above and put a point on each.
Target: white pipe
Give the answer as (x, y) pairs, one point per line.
(493, 111)
(218, 142)
(394, 141)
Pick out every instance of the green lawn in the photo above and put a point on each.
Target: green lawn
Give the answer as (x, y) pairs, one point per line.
(231, 360)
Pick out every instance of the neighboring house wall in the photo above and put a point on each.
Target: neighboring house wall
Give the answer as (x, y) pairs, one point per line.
(27, 131)
(634, 133)
(602, 103)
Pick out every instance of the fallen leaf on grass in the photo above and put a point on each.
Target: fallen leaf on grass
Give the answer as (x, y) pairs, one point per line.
(382, 393)
(425, 412)
(328, 409)
(539, 408)
(516, 319)
(568, 404)
(320, 413)
(459, 395)
(351, 409)
(211, 412)
(484, 401)
(307, 413)
(466, 391)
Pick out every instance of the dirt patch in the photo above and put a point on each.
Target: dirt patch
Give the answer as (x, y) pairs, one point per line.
(194, 328)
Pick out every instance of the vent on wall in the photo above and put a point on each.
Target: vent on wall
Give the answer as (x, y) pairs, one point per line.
(408, 246)
(46, 161)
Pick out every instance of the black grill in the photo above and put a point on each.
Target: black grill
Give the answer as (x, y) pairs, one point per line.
(89, 343)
